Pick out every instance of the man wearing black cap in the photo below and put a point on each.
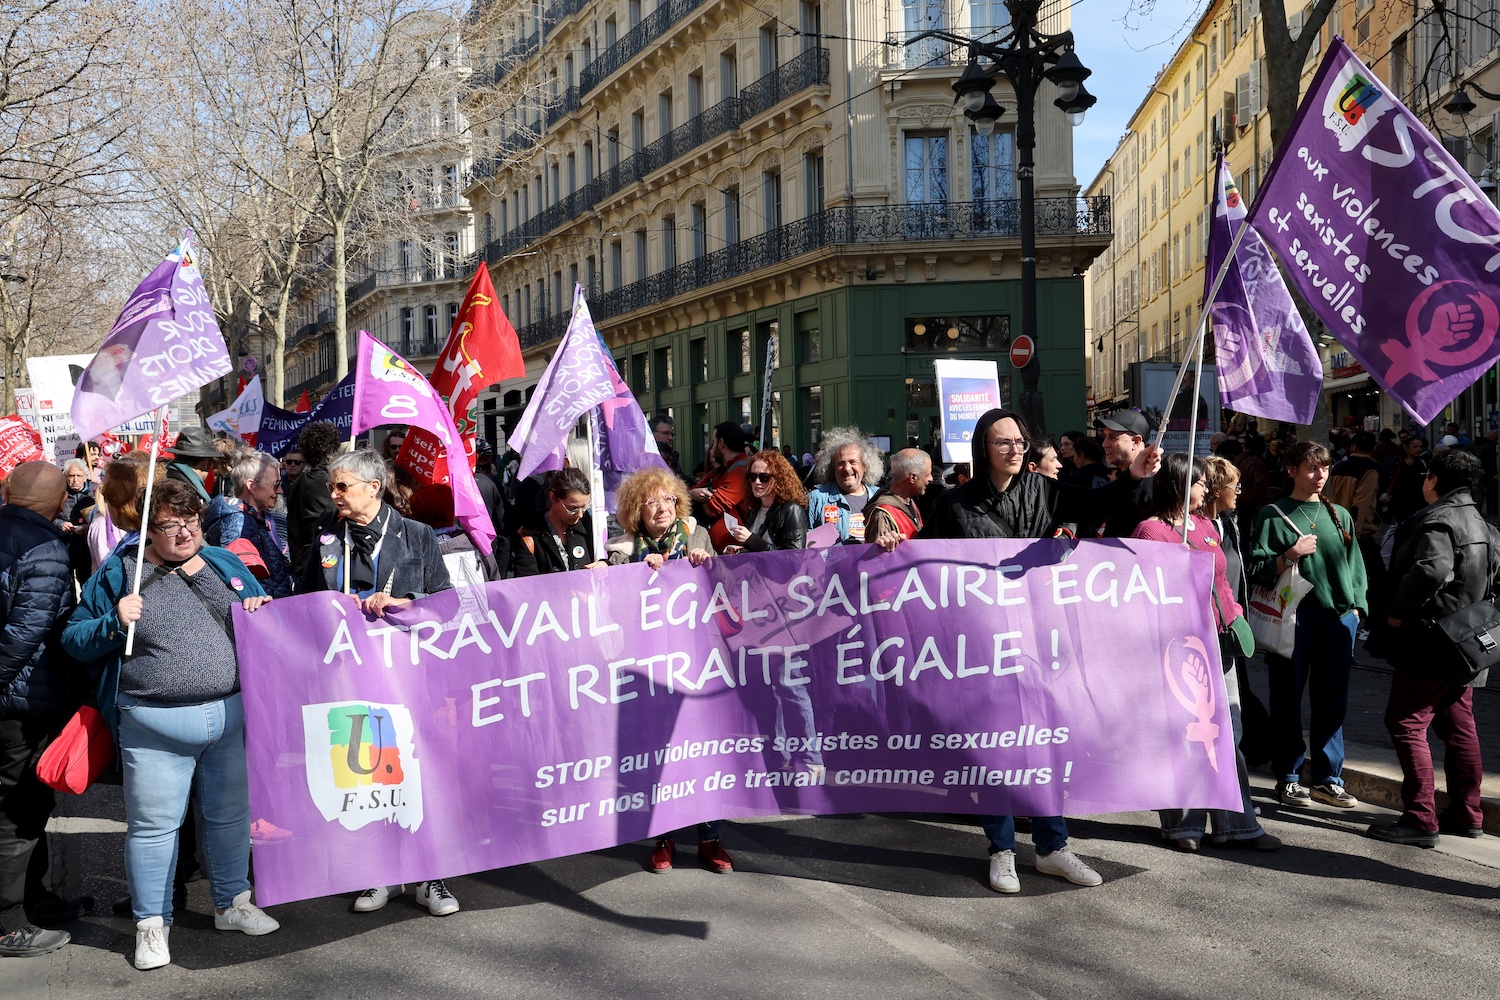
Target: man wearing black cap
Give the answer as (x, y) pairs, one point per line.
(1125, 434)
(192, 457)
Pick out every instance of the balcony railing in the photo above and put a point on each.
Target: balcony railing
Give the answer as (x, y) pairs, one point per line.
(563, 106)
(301, 334)
(841, 226)
(809, 69)
(926, 53)
(668, 13)
(559, 9)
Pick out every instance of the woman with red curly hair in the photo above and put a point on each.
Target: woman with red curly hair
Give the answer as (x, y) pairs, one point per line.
(774, 515)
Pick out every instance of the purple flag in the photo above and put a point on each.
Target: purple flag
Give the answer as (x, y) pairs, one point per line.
(1390, 241)
(388, 390)
(582, 377)
(578, 711)
(279, 428)
(1268, 366)
(164, 345)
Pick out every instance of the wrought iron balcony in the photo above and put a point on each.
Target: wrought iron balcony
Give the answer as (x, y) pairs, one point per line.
(556, 11)
(563, 106)
(302, 333)
(655, 24)
(810, 69)
(868, 224)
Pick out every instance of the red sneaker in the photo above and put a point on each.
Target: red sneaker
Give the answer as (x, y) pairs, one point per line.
(661, 858)
(711, 855)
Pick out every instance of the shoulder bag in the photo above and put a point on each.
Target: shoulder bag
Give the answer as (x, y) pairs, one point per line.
(1273, 610)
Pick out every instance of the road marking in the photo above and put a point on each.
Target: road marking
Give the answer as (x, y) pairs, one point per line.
(84, 824)
(943, 959)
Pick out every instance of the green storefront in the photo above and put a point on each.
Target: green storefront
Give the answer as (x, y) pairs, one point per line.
(859, 355)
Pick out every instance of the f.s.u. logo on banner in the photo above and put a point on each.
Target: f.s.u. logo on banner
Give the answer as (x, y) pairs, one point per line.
(361, 764)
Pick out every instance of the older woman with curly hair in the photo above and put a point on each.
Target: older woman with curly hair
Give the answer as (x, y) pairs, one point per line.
(653, 510)
(774, 516)
(848, 467)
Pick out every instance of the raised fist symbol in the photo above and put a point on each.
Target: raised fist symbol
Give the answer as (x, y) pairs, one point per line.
(1452, 323)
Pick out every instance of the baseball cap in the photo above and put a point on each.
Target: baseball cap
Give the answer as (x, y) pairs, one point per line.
(1449, 441)
(1125, 422)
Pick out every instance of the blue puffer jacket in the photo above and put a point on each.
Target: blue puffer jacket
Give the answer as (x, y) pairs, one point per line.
(36, 597)
(95, 636)
(228, 518)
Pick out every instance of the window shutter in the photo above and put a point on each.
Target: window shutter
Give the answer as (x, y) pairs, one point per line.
(1257, 95)
(1242, 112)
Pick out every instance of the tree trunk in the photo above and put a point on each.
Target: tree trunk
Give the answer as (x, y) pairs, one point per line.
(340, 294)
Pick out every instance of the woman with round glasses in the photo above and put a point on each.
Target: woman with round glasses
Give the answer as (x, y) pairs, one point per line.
(174, 709)
(653, 510)
(562, 538)
(774, 516)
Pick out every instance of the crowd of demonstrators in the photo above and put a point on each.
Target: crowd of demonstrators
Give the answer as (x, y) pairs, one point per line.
(174, 710)
(1171, 518)
(774, 516)
(1006, 500)
(847, 467)
(36, 597)
(1309, 531)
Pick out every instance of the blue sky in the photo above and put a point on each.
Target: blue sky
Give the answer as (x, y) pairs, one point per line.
(1125, 55)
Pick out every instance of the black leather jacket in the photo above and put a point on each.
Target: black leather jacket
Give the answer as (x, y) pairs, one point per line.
(785, 527)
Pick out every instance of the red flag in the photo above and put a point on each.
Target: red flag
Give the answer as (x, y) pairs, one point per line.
(482, 349)
(304, 405)
(19, 442)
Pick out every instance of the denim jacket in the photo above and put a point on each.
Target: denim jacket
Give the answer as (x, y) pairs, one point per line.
(826, 504)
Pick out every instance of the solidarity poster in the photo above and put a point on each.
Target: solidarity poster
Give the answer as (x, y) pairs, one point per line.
(537, 718)
(966, 391)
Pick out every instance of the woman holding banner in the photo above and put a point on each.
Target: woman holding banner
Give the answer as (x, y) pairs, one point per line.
(382, 560)
(1310, 532)
(653, 510)
(1004, 499)
(174, 709)
(1164, 523)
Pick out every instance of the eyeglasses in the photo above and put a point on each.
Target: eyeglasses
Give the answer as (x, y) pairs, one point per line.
(171, 528)
(759, 477)
(1004, 445)
(663, 503)
(343, 487)
(576, 511)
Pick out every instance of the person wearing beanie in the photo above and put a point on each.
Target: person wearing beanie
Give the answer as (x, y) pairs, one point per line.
(36, 597)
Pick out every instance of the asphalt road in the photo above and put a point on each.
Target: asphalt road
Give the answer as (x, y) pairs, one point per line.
(847, 906)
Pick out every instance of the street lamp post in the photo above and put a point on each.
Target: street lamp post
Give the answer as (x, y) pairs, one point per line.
(1025, 57)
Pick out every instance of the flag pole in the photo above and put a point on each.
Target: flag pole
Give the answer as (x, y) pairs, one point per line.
(140, 548)
(1187, 487)
(596, 487)
(1197, 344)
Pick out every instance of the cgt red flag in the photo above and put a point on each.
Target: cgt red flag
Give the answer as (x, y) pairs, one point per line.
(304, 405)
(482, 349)
(19, 442)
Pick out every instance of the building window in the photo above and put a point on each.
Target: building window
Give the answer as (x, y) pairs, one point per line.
(925, 334)
(729, 75)
(640, 374)
(640, 255)
(695, 94)
(616, 265)
(766, 334)
(664, 114)
(663, 368)
(815, 194)
(739, 347)
(668, 242)
(743, 405)
(404, 254)
(591, 277)
(699, 219)
(809, 338)
(812, 415)
(698, 359)
(919, 16)
(611, 32)
(637, 131)
(988, 16)
(429, 326)
(771, 188)
(408, 329)
(572, 174)
(633, 13)
(992, 167)
(731, 216)
(612, 143)
(926, 168)
(770, 59)
(450, 246)
(588, 163)
(452, 315)
(812, 24)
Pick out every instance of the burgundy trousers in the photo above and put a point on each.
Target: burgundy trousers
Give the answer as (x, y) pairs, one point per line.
(1415, 705)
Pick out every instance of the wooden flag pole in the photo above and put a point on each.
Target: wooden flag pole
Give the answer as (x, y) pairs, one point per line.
(140, 549)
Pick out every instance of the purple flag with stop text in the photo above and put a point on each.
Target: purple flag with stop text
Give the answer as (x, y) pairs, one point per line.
(577, 711)
(1387, 237)
(388, 390)
(165, 344)
(1268, 366)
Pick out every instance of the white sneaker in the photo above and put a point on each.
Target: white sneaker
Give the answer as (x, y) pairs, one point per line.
(1065, 863)
(151, 944)
(244, 915)
(1003, 872)
(435, 896)
(374, 899)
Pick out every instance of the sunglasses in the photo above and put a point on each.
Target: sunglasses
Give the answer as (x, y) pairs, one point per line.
(294, 461)
(759, 477)
(342, 487)
(575, 511)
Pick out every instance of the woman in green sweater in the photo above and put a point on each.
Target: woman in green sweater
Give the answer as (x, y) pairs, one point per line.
(1317, 535)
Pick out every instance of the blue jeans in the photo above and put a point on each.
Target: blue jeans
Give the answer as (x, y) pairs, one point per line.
(162, 748)
(1048, 833)
(1242, 825)
(1320, 663)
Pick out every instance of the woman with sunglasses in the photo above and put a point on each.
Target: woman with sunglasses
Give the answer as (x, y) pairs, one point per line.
(173, 707)
(653, 510)
(562, 538)
(1164, 522)
(774, 515)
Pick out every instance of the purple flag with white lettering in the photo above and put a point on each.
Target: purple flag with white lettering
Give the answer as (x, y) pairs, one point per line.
(583, 377)
(1268, 366)
(1387, 237)
(164, 345)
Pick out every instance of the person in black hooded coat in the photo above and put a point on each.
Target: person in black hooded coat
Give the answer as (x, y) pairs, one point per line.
(1006, 500)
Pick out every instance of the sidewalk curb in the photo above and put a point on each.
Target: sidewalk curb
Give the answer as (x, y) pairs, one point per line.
(1373, 774)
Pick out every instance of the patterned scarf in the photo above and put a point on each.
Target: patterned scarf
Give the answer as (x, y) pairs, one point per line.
(672, 544)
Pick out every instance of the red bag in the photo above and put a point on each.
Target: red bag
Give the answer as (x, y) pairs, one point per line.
(81, 752)
(250, 556)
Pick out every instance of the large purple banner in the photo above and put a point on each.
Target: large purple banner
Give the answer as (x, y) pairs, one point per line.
(544, 717)
(1386, 236)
